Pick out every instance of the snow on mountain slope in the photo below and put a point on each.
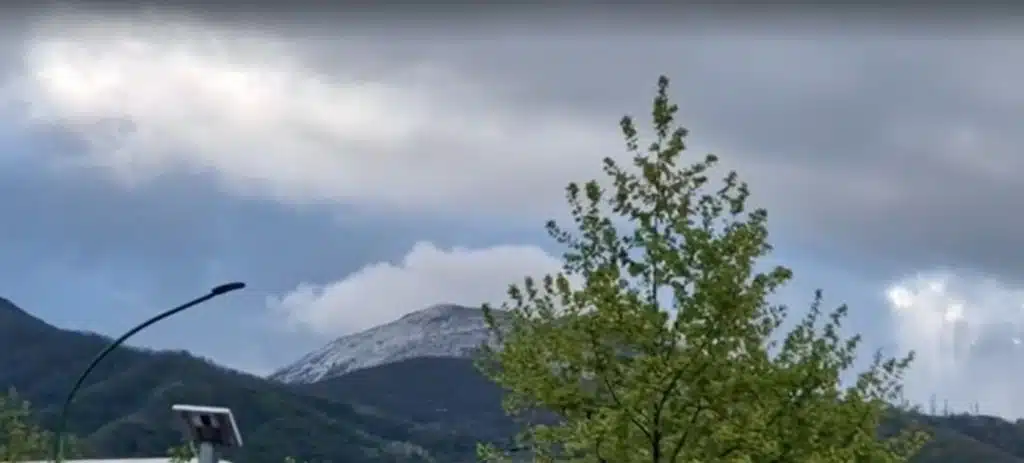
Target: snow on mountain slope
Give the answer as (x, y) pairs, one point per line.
(444, 330)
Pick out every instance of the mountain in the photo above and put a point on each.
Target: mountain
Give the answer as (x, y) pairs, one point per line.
(448, 393)
(444, 330)
(123, 409)
(416, 378)
(399, 404)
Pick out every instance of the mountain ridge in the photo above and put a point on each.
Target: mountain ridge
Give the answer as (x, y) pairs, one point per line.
(12, 313)
(123, 408)
(447, 392)
(423, 409)
(439, 330)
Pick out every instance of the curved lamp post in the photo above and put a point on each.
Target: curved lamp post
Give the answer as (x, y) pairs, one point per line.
(59, 432)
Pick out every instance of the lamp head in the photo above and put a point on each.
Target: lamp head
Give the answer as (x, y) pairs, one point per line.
(227, 288)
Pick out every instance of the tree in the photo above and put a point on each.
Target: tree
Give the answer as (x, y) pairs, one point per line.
(20, 438)
(658, 342)
(182, 453)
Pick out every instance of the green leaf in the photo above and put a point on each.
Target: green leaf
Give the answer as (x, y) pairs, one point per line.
(666, 351)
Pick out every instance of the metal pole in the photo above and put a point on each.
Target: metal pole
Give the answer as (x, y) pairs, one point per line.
(207, 453)
(58, 435)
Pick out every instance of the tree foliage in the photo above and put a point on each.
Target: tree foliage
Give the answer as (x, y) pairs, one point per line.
(658, 342)
(182, 453)
(21, 439)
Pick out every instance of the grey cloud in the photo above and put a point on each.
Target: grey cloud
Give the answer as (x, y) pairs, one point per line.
(850, 138)
(850, 135)
(86, 253)
(898, 149)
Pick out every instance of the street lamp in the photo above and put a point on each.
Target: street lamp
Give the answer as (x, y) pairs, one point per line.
(59, 432)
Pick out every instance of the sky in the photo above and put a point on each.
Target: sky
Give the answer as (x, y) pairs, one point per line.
(352, 170)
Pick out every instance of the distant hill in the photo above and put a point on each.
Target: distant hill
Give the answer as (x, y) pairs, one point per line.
(444, 390)
(446, 393)
(443, 330)
(123, 410)
(417, 399)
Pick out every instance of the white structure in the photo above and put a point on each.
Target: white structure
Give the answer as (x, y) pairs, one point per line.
(123, 460)
(212, 428)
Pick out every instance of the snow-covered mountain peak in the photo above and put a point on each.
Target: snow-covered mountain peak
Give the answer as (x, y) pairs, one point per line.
(443, 330)
(440, 313)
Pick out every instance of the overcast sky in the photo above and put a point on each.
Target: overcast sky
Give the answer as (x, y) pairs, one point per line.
(352, 172)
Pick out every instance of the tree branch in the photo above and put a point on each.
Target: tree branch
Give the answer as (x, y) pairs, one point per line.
(631, 414)
(686, 434)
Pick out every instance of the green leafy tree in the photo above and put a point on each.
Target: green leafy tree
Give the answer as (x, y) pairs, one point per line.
(657, 341)
(21, 439)
(183, 453)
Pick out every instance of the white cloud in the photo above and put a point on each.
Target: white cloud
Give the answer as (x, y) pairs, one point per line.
(967, 334)
(455, 130)
(384, 291)
(163, 94)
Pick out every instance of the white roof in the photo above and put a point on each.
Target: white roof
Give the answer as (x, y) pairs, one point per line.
(121, 460)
